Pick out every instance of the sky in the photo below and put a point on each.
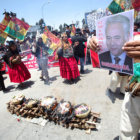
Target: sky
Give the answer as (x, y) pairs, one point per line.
(54, 12)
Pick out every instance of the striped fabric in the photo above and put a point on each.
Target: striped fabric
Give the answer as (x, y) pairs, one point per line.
(47, 35)
(3, 26)
(3, 37)
(17, 28)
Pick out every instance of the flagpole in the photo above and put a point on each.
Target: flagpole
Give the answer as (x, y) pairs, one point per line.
(42, 8)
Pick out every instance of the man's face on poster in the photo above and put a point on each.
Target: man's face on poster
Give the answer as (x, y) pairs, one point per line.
(115, 38)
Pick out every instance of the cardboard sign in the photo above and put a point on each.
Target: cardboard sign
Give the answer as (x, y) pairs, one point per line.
(112, 33)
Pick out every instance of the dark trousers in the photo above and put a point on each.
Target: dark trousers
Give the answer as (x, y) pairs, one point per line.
(44, 68)
(82, 62)
(38, 62)
(2, 86)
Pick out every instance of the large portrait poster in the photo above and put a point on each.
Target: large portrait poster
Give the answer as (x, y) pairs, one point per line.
(112, 33)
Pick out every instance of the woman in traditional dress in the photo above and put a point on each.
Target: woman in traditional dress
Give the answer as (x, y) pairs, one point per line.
(67, 62)
(17, 71)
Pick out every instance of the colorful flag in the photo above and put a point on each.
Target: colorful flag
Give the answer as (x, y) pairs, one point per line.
(54, 40)
(117, 6)
(3, 26)
(17, 28)
(5, 22)
(73, 30)
(51, 36)
(3, 37)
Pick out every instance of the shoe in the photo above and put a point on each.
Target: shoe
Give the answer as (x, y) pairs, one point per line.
(82, 71)
(20, 86)
(5, 90)
(47, 83)
(122, 93)
(73, 81)
(76, 80)
(69, 82)
(41, 77)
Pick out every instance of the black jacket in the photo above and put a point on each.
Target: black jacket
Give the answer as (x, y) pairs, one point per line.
(79, 50)
(38, 50)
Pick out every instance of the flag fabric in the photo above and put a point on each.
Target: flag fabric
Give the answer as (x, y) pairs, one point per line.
(136, 4)
(3, 26)
(17, 28)
(51, 36)
(135, 14)
(54, 43)
(117, 6)
(3, 37)
(73, 30)
(94, 59)
(5, 22)
(47, 35)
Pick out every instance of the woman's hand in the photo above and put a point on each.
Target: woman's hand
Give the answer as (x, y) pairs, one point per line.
(18, 58)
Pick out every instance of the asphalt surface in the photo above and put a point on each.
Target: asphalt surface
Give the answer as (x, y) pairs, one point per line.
(91, 89)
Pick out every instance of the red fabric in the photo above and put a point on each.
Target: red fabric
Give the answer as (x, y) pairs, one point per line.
(52, 62)
(2, 27)
(69, 39)
(85, 50)
(136, 33)
(68, 68)
(94, 59)
(136, 4)
(18, 73)
(20, 23)
(3, 66)
(51, 36)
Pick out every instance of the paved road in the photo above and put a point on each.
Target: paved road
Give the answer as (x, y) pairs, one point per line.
(91, 89)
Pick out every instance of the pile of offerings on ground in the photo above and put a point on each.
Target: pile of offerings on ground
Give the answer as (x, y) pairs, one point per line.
(61, 113)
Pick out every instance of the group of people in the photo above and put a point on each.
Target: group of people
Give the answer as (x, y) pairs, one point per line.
(70, 51)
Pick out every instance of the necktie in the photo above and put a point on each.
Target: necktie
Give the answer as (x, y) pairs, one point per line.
(117, 60)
